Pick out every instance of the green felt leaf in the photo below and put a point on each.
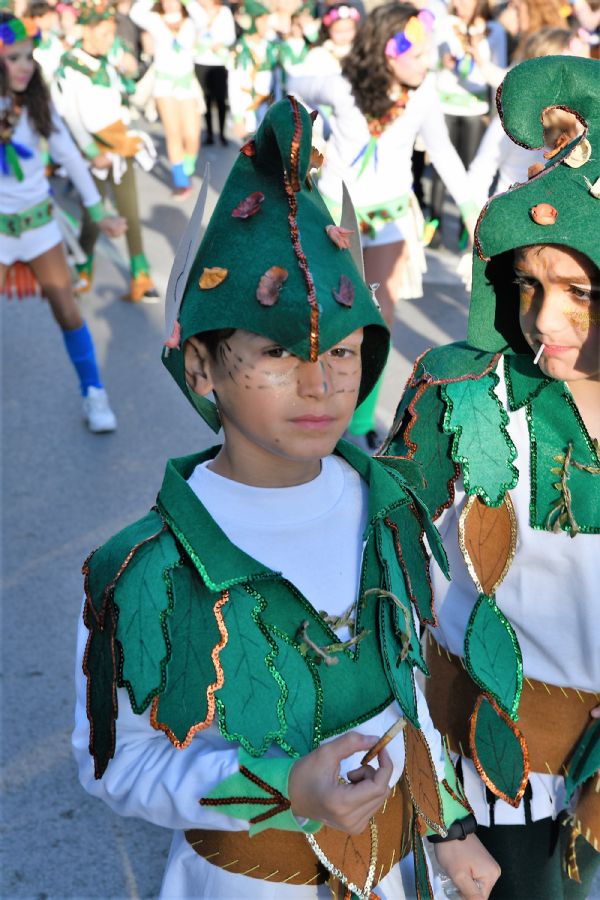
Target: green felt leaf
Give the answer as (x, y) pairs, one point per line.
(106, 563)
(422, 882)
(396, 582)
(302, 709)
(481, 444)
(400, 676)
(432, 449)
(100, 667)
(251, 700)
(586, 759)
(493, 656)
(193, 633)
(142, 600)
(498, 751)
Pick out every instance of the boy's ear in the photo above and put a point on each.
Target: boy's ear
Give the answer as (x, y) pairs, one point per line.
(197, 367)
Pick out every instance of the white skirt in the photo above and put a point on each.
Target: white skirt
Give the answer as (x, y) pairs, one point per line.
(408, 228)
(30, 244)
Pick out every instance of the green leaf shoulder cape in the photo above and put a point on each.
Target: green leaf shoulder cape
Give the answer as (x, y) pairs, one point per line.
(451, 421)
(201, 633)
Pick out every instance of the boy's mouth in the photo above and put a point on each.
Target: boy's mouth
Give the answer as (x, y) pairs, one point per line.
(313, 421)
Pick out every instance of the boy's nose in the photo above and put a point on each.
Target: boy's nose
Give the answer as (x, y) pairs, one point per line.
(313, 379)
(550, 318)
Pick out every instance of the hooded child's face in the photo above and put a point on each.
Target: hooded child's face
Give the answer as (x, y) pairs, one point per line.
(275, 407)
(559, 291)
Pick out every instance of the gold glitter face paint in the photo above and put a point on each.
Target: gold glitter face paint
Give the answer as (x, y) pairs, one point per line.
(583, 319)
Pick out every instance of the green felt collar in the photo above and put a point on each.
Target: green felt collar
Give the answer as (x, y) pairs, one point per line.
(220, 561)
(526, 381)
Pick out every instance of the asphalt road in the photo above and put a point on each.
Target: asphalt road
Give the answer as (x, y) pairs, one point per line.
(64, 492)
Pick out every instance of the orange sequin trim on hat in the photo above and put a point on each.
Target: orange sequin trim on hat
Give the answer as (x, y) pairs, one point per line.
(292, 186)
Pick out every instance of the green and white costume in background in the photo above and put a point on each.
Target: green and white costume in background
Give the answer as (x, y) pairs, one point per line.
(501, 443)
(195, 618)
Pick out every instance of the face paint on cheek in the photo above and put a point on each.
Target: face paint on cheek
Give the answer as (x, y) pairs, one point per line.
(525, 301)
(583, 320)
(324, 374)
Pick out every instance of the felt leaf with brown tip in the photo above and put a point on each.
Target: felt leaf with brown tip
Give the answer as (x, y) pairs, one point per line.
(270, 284)
(212, 278)
(422, 779)
(544, 214)
(316, 159)
(248, 149)
(488, 538)
(249, 206)
(345, 293)
(339, 236)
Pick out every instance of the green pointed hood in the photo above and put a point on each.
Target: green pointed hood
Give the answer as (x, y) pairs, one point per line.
(268, 232)
(569, 184)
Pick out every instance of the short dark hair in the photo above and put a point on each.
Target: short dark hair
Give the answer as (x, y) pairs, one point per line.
(212, 339)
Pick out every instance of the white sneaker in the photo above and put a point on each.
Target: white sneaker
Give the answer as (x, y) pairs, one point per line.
(97, 412)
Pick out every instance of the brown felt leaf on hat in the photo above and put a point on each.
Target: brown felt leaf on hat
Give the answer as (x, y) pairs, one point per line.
(174, 341)
(421, 778)
(488, 538)
(313, 114)
(248, 149)
(316, 159)
(535, 169)
(340, 236)
(212, 278)
(249, 206)
(345, 292)
(543, 214)
(270, 284)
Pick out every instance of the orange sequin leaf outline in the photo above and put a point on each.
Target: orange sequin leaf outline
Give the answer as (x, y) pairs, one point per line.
(292, 186)
(512, 801)
(97, 620)
(282, 804)
(400, 556)
(421, 383)
(210, 690)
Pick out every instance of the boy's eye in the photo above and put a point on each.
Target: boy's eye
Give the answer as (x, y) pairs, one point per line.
(581, 293)
(276, 353)
(341, 352)
(523, 281)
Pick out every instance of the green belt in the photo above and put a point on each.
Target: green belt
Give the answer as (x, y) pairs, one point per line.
(184, 82)
(372, 219)
(14, 224)
(464, 100)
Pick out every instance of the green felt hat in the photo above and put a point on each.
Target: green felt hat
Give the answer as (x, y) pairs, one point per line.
(90, 12)
(267, 264)
(559, 205)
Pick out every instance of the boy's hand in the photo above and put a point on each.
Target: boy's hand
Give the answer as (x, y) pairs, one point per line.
(316, 793)
(469, 865)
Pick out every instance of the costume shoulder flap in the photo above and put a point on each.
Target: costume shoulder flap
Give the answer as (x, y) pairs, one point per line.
(451, 422)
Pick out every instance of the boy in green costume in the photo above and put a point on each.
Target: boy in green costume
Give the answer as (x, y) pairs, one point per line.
(234, 636)
(506, 428)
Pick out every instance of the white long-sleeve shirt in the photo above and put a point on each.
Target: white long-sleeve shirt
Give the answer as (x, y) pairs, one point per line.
(312, 533)
(173, 50)
(497, 153)
(389, 174)
(16, 196)
(467, 95)
(551, 597)
(215, 38)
